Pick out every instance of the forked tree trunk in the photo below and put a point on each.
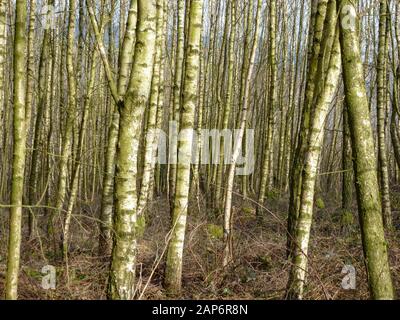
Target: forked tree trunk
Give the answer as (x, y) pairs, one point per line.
(123, 262)
(325, 94)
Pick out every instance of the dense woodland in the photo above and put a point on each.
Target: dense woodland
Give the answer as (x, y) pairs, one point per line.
(199, 149)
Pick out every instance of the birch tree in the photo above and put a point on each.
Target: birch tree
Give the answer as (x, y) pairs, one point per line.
(19, 150)
(173, 271)
(381, 111)
(330, 73)
(366, 180)
(123, 262)
(228, 240)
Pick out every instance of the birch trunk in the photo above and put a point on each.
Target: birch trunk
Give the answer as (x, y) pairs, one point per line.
(173, 271)
(329, 68)
(123, 263)
(228, 216)
(381, 112)
(19, 150)
(366, 180)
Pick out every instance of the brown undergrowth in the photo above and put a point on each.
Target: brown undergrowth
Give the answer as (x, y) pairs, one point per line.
(259, 270)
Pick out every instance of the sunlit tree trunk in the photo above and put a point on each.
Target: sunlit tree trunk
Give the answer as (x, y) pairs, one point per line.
(330, 49)
(394, 128)
(228, 102)
(19, 150)
(267, 161)
(173, 271)
(150, 141)
(67, 138)
(366, 180)
(123, 262)
(126, 56)
(3, 57)
(30, 86)
(228, 219)
(177, 92)
(315, 37)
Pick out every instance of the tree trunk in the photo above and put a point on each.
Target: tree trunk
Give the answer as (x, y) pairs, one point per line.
(366, 180)
(19, 150)
(330, 48)
(173, 270)
(383, 173)
(123, 263)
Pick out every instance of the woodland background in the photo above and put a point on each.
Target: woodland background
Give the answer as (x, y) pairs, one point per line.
(83, 84)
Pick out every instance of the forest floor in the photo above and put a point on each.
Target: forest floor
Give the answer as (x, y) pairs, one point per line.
(260, 269)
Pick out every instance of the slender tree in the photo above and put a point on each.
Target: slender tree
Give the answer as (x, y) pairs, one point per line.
(173, 271)
(123, 262)
(67, 139)
(331, 52)
(272, 101)
(381, 111)
(125, 60)
(366, 180)
(228, 238)
(177, 93)
(19, 150)
(315, 33)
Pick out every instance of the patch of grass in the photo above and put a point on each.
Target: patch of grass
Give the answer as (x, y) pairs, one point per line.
(320, 204)
(141, 225)
(33, 273)
(273, 194)
(347, 218)
(215, 232)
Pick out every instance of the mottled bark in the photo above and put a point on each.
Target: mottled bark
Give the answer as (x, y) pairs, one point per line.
(19, 150)
(381, 112)
(123, 263)
(315, 37)
(228, 103)
(177, 92)
(267, 161)
(347, 175)
(173, 271)
(331, 48)
(119, 89)
(228, 216)
(366, 180)
(66, 148)
(150, 142)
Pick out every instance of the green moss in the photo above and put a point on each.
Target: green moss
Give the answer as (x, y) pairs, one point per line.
(273, 194)
(140, 225)
(347, 218)
(248, 210)
(266, 262)
(227, 292)
(215, 232)
(248, 213)
(320, 203)
(80, 276)
(33, 273)
(247, 274)
(395, 201)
